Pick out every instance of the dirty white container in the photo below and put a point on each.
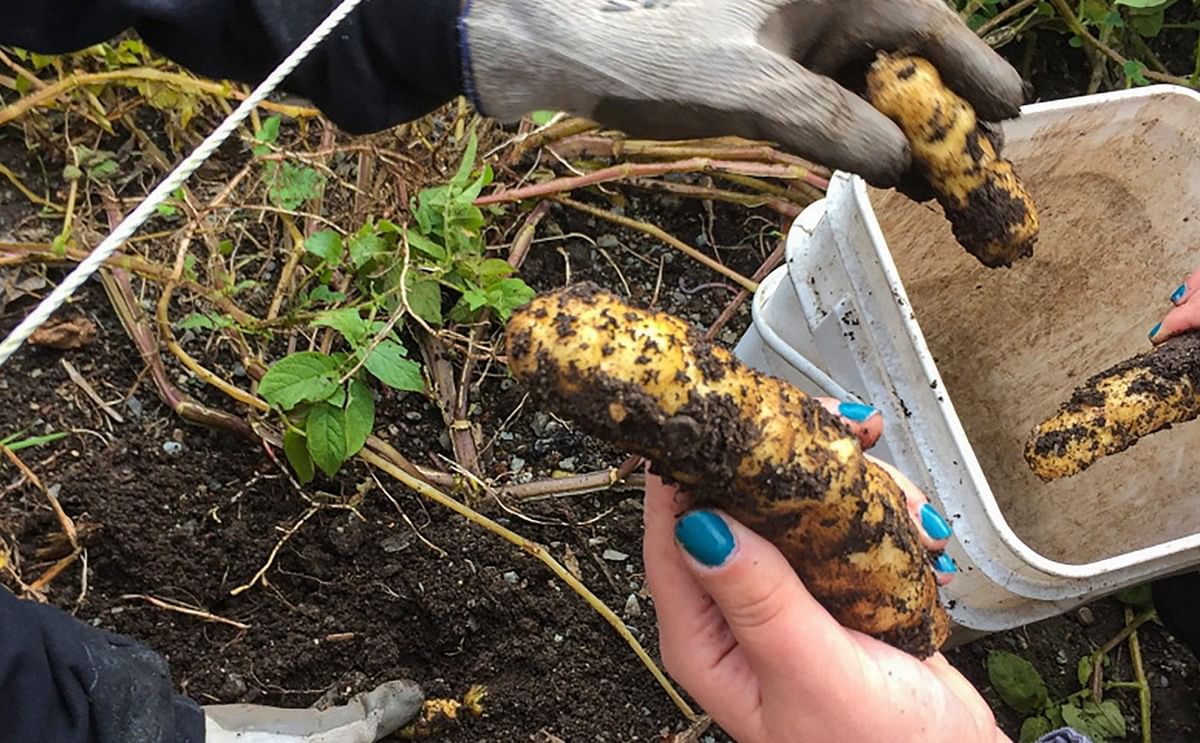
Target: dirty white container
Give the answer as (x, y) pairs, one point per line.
(877, 302)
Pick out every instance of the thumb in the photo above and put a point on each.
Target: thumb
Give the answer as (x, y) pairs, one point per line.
(775, 621)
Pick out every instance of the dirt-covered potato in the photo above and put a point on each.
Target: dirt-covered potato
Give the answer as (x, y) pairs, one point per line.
(739, 440)
(1108, 413)
(991, 213)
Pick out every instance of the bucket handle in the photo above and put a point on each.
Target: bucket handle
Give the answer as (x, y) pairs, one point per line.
(827, 383)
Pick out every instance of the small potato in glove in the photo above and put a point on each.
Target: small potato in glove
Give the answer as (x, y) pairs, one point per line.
(769, 455)
(778, 70)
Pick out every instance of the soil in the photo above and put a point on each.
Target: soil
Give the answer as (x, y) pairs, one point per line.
(378, 583)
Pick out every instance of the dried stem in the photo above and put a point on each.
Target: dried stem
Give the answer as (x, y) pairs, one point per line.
(133, 76)
(644, 170)
(260, 576)
(659, 233)
(441, 373)
(175, 606)
(1139, 674)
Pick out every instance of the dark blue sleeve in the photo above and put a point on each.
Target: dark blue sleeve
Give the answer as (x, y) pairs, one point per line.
(391, 61)
(65, 681)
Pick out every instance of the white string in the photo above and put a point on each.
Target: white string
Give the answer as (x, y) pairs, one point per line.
(145, 210)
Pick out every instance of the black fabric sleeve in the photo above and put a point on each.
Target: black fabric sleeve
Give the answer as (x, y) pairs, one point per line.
(391, 61)
(65, 681)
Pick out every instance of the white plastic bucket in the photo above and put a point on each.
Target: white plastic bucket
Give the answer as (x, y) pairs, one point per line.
(867, 271)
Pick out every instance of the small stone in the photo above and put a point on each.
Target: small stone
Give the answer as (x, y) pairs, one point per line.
(1061, 657)
(1086, 617)
(567, 464)
(413, 415)
(507, 436)
(135, 406)
(558, 638)
(394, 543)
(234, 687)
(517, 464)
(539, 423)
(613, 555)
(608, 240)
(1163, 682)
(35, 373)
(633, 607)
(172, 448)
(511, 577)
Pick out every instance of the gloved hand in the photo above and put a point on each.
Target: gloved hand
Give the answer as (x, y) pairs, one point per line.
(760, 69)
(366, 718)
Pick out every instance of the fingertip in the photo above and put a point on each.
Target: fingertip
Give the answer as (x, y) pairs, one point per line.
(865, 421)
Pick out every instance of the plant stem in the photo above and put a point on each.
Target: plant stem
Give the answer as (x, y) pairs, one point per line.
(635, 170)
(132, 76)
(1139, 673)
(661, 234)
(1077, 28)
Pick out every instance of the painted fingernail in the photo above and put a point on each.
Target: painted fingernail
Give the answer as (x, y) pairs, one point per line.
(856, 412)
(1178, 295)
(945, 564)
(934, 523)
(1155, 329)
(705, 536)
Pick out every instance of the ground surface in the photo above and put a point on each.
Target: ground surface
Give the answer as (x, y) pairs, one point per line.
(397, 586)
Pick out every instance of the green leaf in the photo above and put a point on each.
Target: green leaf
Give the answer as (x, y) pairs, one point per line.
(424, 245)
(424, 297)
(493, 270)
(1084, 670)
(307, 376)
(365, 247)
(325, 429)
(71, 173)
(360, 416)
(326, 245)
(541, 118)
(1138, 597)
(290, 185)
(514, 293)
(1100, 722)
(1016, 681)
(32, 441)
(468, 162)
(346, 321)
(1034, 728)
(388, 364)
(295, 446)
(323, 293)
(266, 135)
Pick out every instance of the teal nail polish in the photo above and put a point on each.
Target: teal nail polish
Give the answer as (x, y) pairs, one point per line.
(1155, 329)
(856, 412)
(1178, 295)
(945, 564)
(705, 536)
(934, 523)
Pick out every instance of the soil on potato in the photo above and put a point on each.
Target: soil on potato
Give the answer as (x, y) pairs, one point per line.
(379, 583)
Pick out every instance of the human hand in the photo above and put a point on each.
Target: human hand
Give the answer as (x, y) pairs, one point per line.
(366, 718)
(777, 70)
(740, 632)
(1184, 316)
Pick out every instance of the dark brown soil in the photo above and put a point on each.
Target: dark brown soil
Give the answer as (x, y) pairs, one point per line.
(380, 584)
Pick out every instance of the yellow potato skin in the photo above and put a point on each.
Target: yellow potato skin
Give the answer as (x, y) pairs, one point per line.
(736, 439)
(1112, 410)
(992, 214)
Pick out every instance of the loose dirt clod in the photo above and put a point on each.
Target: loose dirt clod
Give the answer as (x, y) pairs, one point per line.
(1112, 410)
(736, 439)
(992, 214)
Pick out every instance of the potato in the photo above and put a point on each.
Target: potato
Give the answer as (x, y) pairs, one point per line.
(1111, 411)
(991, 213)
(741, 441)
